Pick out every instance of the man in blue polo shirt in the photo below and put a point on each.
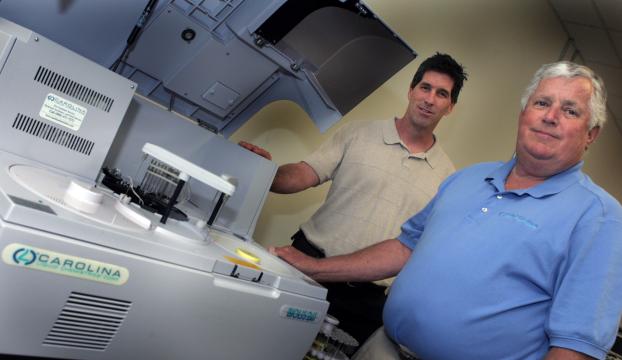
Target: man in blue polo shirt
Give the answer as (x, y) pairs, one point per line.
(515, 260)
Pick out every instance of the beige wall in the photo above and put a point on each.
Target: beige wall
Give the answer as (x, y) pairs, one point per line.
(501, 43)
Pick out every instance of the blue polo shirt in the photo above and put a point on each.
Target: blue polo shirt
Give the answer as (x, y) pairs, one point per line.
(498, 274)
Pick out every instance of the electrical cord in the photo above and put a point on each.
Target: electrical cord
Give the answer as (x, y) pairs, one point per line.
(134, 34)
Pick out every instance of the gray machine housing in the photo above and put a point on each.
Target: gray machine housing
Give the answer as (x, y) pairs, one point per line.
(77, 146)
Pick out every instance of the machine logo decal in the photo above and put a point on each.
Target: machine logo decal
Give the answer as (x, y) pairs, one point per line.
(45, 260)
(24, 256)
(62, 112)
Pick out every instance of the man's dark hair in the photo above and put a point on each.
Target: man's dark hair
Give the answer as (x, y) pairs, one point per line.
(443, 64)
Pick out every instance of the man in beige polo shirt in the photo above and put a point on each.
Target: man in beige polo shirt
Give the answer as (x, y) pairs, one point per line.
(382, 172)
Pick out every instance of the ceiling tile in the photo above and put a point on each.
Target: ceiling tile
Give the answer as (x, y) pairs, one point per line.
(577, 11)
(611, 11)
(594, 44)
(611, 75)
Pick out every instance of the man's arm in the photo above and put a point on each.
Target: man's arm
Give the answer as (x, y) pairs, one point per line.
(292, 178)
(557, 353)
(376, 262)
(289, 178)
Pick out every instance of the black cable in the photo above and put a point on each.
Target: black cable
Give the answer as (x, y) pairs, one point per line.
(134, 34)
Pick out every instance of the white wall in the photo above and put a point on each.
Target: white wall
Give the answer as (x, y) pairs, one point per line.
(501, 43)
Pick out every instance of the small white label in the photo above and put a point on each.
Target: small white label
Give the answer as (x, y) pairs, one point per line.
(62, 112)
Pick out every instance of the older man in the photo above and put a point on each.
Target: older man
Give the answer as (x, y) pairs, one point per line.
(510, 260)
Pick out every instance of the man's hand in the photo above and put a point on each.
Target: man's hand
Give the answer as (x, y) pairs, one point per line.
(296, 258)
(256, 149)
(289, 178)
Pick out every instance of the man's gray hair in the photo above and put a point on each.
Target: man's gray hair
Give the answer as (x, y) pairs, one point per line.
(598, 99)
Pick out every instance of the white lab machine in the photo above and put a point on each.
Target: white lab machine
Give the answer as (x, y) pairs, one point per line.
(90, 275)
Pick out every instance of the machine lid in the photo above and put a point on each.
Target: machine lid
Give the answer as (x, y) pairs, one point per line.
(220, 62)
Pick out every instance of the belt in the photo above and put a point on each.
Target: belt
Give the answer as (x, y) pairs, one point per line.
(367, 285)
(301, 243)
(405, 353)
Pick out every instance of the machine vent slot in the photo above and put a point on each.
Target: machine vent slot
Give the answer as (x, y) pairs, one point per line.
(88, 322)
(67, 86)
(52, 134)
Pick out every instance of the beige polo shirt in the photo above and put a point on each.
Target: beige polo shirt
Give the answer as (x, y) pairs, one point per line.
(377, 184)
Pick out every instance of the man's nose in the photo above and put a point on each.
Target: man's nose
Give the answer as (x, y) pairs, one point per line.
(552, 115)
(429, 98)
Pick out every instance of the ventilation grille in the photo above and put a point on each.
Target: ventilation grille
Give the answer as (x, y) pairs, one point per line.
(72, 88)
(88, 322)
(52, 134)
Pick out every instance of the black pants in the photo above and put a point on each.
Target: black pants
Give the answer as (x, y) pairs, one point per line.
(357, 305)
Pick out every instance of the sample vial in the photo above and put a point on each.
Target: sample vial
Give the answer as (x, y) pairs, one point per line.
(322, 338)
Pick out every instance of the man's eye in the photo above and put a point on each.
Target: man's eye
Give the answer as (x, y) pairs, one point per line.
(572, 112)
(540, 103)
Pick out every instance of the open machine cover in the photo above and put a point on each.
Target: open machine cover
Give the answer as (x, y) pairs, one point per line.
(220, 61)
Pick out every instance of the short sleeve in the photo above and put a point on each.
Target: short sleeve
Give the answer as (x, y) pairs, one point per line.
(587, 302)
(326, 159)
(413, 227)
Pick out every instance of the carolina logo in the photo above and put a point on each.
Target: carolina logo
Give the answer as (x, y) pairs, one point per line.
(34, 258)
(24, 256)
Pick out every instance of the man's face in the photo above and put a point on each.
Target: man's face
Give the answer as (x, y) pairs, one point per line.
(553, 128)
(430, 99)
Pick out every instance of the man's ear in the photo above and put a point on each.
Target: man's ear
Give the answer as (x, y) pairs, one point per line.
(410, 92)
(592, 134)
(450, 109)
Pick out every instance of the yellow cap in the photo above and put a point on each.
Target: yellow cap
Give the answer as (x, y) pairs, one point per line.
(238, 261)
(247, 255)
